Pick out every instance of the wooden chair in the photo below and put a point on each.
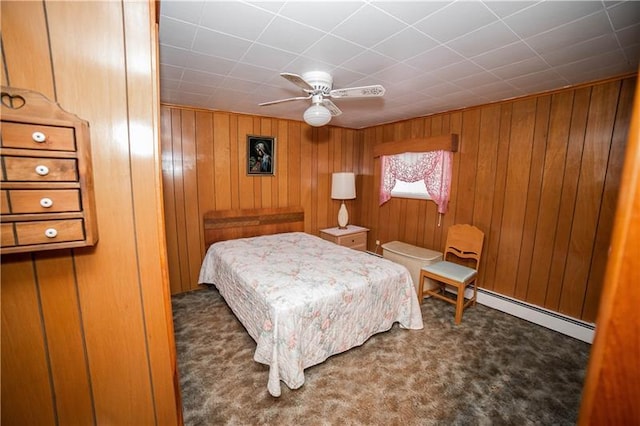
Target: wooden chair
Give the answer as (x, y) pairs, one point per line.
(464, 244)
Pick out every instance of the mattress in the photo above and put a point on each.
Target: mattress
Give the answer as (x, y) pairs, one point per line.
(303, 299)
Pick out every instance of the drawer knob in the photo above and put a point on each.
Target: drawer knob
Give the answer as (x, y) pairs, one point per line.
(51, 232)
(38, 137)
(42, 170)
(46, 202)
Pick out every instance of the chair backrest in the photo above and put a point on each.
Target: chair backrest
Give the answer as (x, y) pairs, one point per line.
(465, 242)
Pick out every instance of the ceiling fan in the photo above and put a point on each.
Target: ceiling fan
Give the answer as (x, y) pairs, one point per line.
(318, 85)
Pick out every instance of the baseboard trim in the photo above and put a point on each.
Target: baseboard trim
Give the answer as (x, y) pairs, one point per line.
(561, 323)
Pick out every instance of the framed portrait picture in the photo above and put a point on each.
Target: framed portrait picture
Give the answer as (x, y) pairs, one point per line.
(261, 155)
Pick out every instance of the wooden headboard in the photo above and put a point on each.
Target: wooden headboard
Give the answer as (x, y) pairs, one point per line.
(224, 225)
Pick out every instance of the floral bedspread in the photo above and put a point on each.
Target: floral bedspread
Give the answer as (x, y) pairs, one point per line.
(303, 299)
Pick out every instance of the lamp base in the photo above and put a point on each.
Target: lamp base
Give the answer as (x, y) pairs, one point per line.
(343, 217)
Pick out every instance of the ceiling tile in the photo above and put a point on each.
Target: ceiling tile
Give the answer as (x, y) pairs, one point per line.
(368, 26)
(456, 71)
(455, 20)
(368, 62)
(629, 36)
(171, 72)
(580, 51)
(280, 33)
(405, 44)
(397, 72)
(624, 14)
(268, 57)
(549, 14)
(182, 10)
(235, 18)
(508, 54)
(333, 50)
(204, 78)
(318, 14)
(253, 73)
(565, 35)
(506, 8)
(410, 11)
(516, 69)
(177, 33)
(218, 44)
(435, 58)
(487, 38)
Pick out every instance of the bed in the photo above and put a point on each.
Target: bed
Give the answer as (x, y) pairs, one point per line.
(302, 299)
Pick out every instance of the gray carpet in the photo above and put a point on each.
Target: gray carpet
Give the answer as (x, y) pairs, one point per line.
(491, 369)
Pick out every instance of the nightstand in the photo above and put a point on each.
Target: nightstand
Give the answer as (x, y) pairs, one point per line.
(354, 237)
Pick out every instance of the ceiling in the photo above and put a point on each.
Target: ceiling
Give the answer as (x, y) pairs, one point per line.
(430, 56)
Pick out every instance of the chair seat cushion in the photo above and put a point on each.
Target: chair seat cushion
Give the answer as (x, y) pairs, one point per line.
(451, 270)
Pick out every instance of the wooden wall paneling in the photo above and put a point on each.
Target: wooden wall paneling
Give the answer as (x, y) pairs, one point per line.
(221, 152)
(121, 383)
(266, 183)
(612, 382)
(550, 195)
(110, 296)
(24, 356)
(529, 231)
(168, 183)
(236, 151)
(449, 123)
(491, 246)
(283, 174)
(204, 168)
(247, 198)
(595, 154)
(567, 200)
(144, 156)
(609, 201)
(467, 167)
(519, 164)
(193, 218)
(486, 174)
(179, 198)
(61, 313)
(307, 183)
(294, 158)
(257, 180)
(323, 178)
(32, 71)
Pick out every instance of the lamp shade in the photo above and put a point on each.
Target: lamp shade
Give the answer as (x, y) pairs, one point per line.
(343, 186)
(317, 115)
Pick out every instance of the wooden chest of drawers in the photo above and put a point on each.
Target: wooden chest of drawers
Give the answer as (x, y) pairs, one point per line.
(354, 237)
(46, 196)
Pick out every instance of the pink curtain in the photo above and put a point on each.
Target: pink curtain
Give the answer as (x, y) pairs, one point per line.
(434, 167)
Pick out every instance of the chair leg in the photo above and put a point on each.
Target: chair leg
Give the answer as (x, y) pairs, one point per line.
(421, 290)
(459, 304)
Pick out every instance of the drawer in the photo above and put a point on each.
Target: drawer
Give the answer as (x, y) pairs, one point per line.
(6, 235)
(353, 240)
(33, 136)
(49, 231)
(4, 202)
(33, 169)
(44, 200)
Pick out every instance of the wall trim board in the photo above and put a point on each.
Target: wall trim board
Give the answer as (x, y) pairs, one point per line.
(552, 320)
(435, 143)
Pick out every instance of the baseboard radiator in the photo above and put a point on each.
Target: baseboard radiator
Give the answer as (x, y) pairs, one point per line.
(561, 323)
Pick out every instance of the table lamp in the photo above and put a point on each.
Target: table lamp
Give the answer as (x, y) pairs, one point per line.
(343, 187)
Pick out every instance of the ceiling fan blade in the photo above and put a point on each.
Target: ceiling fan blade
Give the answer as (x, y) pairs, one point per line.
(297, 80)
(298, 98)
(358, 92)
(333, 109)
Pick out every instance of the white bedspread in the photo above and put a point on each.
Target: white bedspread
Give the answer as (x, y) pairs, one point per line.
(303, 299)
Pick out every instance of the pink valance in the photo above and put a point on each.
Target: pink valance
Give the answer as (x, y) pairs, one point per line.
(433, 167)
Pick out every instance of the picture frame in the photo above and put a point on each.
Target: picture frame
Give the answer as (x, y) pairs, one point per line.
(261, 155)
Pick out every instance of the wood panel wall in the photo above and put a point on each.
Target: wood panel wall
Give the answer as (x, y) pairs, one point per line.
(539, 175)
(87, 336)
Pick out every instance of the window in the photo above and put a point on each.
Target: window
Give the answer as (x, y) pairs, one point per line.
(416, 170)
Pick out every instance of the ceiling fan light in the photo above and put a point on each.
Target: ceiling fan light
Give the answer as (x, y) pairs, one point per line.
(317, 115)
